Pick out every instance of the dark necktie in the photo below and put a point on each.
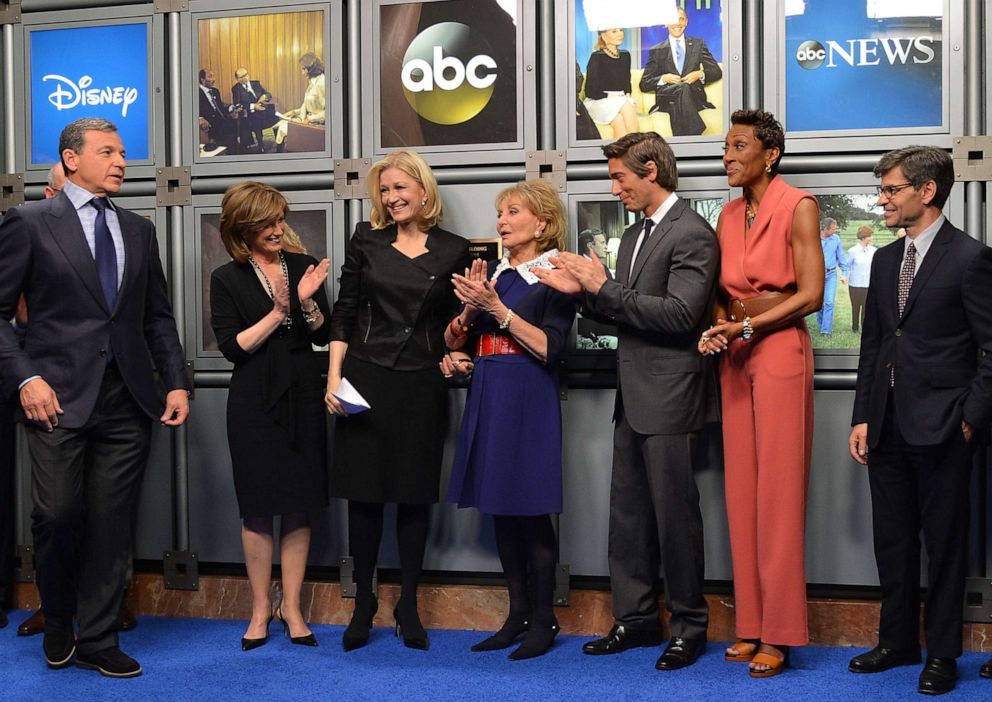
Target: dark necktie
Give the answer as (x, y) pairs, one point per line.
(648, 226)
(104, 252)
(906, 274)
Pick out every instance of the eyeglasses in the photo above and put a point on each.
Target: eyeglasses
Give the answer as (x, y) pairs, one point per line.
(887, 191)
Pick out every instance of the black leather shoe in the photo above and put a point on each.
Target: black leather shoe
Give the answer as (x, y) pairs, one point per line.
(360, 626)
(680, 653)
(59, 646)
(408, 627)
(881, 658)
(986, 671)
(512, 629)
(251, 644)
(537, 642)
(112, 662)
(938, 676)
(622, 638)
(128, 620)
(35, 624)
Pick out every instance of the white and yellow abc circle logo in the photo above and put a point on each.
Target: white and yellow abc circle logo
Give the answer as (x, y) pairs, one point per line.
(447, 75)
(811, 54)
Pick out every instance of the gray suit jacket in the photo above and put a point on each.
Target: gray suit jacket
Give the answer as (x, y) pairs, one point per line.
(661, 307)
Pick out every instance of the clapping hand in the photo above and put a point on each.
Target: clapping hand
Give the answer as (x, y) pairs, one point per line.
(588, 273)
(280, 296)
(474, 290)
(313, 278)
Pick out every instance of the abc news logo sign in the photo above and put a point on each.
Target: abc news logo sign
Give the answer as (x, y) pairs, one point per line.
(893, 51)
(448, 77)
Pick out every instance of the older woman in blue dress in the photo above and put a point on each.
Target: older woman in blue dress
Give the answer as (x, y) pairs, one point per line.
(508, 459)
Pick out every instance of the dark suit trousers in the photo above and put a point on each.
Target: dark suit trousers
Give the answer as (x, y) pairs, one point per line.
(655, 518)
(680, 104)
(914, 488)
(85, 485)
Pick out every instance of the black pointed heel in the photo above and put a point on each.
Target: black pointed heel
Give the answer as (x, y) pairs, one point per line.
(360, 626)
(251, 644)
(409, 627)
(305, 640)
(538, 641)
(512, 629)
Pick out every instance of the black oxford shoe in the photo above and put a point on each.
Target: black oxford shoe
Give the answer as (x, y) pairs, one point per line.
(622, 638)
(680, 653)
(986, 671)
(881, 658)
(938, 676)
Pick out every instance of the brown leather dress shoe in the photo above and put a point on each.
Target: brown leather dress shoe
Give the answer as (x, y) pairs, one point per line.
(35, 624)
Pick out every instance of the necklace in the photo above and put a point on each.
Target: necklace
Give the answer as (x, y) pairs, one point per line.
(288, 320)
(749, 214)
(611, 51)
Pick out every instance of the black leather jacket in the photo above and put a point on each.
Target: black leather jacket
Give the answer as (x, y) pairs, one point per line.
(392, 310)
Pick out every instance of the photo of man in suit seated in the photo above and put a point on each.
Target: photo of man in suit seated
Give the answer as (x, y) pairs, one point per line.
(256, 107)
(677, 71)
(217, 119)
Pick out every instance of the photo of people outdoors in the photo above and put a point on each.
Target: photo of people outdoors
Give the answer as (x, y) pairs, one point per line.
(261, 86)
(852, 229)
(600, 225)
(648, 67)
(307, 227)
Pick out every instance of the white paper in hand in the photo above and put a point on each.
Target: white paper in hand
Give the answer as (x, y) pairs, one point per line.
(349, 397)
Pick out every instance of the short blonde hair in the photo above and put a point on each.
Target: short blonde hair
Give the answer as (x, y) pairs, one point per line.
(247, 208)
(540, 197)
(410, 163)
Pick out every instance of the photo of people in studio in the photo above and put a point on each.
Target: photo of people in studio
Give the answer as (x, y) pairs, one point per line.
(261, 85)
(648, 67)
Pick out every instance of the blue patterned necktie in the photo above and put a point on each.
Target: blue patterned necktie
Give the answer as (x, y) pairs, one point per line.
(679, 56)
(105, 253)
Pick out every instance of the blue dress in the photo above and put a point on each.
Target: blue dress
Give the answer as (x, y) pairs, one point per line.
(508, 457)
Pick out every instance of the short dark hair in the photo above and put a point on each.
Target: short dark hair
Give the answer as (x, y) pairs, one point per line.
(636, 149)
(767, 129)
(73, 135)
(920, 164)
(203, 74)
(587, 237)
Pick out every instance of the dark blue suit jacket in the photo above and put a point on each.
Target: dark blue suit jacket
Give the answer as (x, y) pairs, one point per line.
(940, 378)
(44, 254)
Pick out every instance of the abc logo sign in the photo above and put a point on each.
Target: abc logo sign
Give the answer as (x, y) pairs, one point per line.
(811, 55)
(447, 75)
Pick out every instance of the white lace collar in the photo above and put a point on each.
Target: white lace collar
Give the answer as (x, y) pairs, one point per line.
(523, 269)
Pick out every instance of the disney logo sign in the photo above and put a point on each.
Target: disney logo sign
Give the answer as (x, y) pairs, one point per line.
(68, 94)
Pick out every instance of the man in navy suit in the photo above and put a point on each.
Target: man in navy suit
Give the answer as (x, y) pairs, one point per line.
(676, 72)
(924, 391)
(254, 101)
(100, 315)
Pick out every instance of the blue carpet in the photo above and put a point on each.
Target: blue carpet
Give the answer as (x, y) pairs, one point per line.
(199, 659)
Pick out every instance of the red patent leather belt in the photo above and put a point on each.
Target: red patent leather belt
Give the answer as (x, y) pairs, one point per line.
(498, 344)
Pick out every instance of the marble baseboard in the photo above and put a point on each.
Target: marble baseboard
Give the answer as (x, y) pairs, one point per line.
(832, 622)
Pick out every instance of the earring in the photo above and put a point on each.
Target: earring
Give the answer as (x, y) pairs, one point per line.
(423, 203)
(768, 168)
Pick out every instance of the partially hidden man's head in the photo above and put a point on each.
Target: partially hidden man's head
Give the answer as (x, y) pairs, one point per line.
(92, 155)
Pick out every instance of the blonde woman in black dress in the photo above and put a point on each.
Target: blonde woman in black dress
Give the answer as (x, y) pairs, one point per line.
(387, 337)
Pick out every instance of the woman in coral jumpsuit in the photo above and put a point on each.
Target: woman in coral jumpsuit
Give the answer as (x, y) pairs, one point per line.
(771, 277)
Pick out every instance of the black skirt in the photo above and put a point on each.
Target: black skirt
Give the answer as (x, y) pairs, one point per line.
(392, 452)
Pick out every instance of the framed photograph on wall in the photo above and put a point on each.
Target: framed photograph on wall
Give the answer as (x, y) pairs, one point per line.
(264, 85)
(66, 78)
(665, 66)
(447, 76)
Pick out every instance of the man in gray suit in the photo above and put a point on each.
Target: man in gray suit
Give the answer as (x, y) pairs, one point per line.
(665, 283)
